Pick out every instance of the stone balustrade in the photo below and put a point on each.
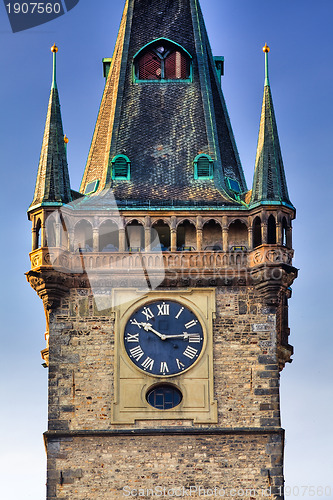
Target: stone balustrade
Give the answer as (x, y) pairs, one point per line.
(63, 260)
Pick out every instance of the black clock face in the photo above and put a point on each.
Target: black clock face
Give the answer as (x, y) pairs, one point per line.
(163, 338)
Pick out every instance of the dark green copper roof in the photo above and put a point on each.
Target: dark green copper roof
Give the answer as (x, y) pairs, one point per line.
(162, 126)
(52, 185)
(269, 182)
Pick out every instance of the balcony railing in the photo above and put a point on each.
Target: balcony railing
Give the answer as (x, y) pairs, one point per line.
(63, 260)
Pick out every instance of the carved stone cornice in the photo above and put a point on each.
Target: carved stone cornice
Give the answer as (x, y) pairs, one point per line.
(271, 279)
(284, 355)
(50, 286)
(45, 355)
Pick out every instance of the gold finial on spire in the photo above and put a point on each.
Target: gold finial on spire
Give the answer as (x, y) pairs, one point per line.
(266, 49)
(66, 140)
(54, 48)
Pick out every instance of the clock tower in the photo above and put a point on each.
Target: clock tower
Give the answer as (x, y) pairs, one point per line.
(165, 280)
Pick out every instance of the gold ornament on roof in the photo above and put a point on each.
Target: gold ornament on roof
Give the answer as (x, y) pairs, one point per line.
(54, 48)
(266, 49)
(66, 140)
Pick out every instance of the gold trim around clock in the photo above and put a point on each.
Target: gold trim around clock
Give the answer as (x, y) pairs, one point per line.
(196, 383)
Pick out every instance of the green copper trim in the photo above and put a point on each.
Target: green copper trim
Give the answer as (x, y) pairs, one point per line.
(271, 202)
(46, 204)
(163, 80)
(106, 66)
(266, 70)
(161, 39)
(54, 71)
(219, 64)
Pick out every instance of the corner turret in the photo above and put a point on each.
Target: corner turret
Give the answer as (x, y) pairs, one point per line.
(52, 184)
(269, 182)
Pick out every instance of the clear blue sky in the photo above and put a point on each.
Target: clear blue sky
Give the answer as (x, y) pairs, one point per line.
(300, 35)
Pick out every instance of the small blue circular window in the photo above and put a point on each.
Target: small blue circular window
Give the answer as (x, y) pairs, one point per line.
(164, 397)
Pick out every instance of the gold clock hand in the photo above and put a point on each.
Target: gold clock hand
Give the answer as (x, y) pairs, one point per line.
(183, 336)
(148, 327)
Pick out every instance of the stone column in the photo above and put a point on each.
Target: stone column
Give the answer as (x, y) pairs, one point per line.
(43, 235)
(289, 237)
(34, 242)
(264, 232)
(173, 235)
(122, 245)
(199, 234)
(225, 230)
(71, 240)
(147, 234)
(250, 236)
(263, 227)
(57, 234)
(279, 232)
(95, 239)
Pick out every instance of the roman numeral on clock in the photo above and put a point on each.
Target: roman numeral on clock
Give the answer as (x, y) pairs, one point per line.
(190, 352)
(191, 323)
(137, 352)
(147, 312)
(163, 309)
(135, 322)
(194, 338)
(179, 312)
(148, 363)
(132, 337)
(180, 365)
(164, 368)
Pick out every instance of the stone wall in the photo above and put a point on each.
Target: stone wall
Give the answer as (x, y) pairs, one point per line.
(89, 457)
(109, 467)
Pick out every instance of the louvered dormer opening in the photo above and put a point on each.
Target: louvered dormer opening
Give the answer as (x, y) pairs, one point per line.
(162, 60)
(121, 167)
(203, 167)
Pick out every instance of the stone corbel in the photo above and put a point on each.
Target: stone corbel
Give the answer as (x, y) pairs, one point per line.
(271, 280)
(50, 286)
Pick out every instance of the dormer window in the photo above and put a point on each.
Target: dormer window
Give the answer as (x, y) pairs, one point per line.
(121, 168)
(162, 60)
(203, 167)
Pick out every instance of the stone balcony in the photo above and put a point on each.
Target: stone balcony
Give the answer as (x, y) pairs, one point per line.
(204, 264)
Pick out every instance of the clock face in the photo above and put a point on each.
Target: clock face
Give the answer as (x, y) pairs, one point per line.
(163, 338)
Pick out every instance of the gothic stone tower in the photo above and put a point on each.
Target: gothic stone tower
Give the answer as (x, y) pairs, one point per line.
(165, 281)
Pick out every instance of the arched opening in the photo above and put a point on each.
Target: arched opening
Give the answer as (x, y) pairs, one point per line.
(83, 237)
(237, 236)
(212, 236)
(37, 239)
(257, 241)
(163, 232)
(64, 239)
(134, 236)
(162, 60)
(284, 232)
(50, 227)
(108, 237)
(186, 236)
(271, 230)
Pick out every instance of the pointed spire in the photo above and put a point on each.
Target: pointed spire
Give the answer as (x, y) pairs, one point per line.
(163, 128)
(269, 182)
(52, 184)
